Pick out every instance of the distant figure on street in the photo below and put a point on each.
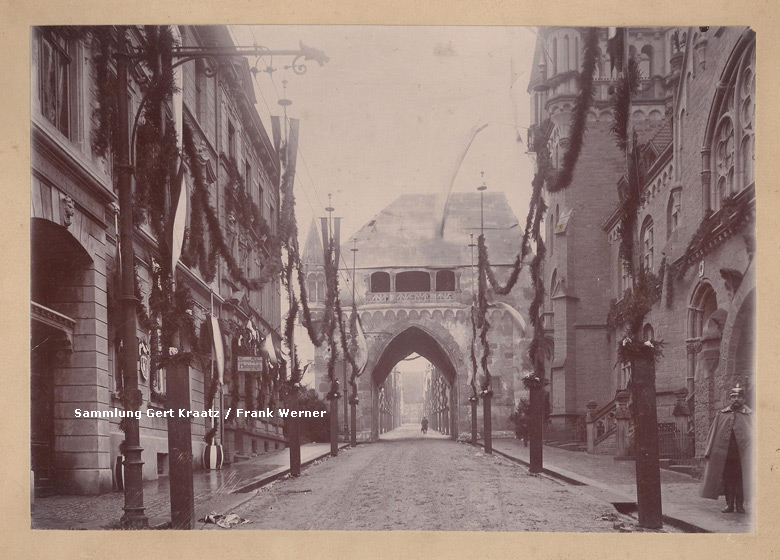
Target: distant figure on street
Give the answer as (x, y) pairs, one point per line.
(521, 428)
(424, 424)
(729, 454)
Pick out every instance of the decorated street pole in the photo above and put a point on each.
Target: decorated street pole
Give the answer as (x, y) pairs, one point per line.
(331, 238)
(134, 516)
(353, 399)
(487, 392)
(473, 399)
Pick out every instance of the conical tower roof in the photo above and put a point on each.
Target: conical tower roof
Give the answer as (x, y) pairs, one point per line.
(313, 248)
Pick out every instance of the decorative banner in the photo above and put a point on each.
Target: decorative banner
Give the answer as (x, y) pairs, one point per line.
(144, 363)
(219, 350)
(269, 351)
(362, 348)
(179, 223)
(250, 363)
(515, 314)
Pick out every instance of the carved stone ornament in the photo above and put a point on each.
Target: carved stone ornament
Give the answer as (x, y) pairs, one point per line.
(232, 222)
(67, 209)
(693, 347)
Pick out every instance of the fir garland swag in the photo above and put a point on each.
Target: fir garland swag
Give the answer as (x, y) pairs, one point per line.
(554, 181)
(632, 309)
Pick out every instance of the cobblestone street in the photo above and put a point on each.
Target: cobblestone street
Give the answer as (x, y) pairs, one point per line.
(408, 481)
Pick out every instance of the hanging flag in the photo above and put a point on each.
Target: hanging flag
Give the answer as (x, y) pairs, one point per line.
(361, 358)
(179, 225)
(219, 349)
(515, 314)
(471, 135)
(252, 330)
(268, 350)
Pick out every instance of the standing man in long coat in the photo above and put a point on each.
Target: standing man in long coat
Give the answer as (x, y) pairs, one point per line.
(729, 454)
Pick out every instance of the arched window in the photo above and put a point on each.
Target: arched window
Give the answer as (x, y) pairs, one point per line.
(732, 147)
(380, 282)
(321, 287)
(413, 281)
(646, 61)
(647, 332)
(673, 212)
(647, 244)
(445, 281)
(553, 280)
(311, 286)
(554, 56)
(566, 54)
(576, 53)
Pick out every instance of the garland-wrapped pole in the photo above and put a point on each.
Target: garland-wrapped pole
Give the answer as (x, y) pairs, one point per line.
(134, 516)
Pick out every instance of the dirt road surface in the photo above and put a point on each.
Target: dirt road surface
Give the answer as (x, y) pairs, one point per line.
(408, 481)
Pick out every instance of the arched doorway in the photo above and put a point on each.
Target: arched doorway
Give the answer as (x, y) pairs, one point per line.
(57, 263)
(415, 339)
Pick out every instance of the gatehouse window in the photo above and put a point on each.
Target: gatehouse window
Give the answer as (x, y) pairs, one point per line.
(445, 281)
(380, 282)
(413, 281)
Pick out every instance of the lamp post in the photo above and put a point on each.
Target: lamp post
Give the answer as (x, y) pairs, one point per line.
(473, 399)
(487, 393)
(134, 516)
(178, 391)
(353, 399)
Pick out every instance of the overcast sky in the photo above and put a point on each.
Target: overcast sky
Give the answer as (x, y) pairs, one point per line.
(393, 108)
(391, 113)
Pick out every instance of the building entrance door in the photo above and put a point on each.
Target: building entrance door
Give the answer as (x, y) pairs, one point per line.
(42, 407)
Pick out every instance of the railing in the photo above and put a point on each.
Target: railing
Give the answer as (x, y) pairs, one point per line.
(605, 422)
(413, 297)
(674, 445)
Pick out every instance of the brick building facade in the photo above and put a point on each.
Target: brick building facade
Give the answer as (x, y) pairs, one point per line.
(75, 271)
(694, 116)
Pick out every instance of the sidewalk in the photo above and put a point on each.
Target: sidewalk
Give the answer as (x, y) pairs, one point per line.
(218, 491)
(615, 482)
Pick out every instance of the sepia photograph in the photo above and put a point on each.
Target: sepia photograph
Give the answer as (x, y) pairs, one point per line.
(393, 278)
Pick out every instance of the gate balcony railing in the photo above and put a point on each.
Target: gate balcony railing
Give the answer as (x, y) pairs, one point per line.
(426, 298)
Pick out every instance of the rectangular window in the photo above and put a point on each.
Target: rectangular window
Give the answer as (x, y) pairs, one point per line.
(248, 176)
(54, 81)
(200, 91)
(625, 279)
(231, 141)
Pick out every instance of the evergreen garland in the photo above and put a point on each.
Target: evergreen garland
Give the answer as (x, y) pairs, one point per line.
(474, 366)
(627, 86)
(482, 305)
(107, 112)
(562, 179)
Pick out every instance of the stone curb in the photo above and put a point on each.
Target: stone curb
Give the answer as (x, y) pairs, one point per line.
(621, 502)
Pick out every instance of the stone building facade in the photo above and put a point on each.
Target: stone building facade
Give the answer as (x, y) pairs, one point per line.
(414, 290)
(75, 273)
(694, 116)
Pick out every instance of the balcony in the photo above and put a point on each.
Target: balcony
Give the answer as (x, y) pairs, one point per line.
(413, 298)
